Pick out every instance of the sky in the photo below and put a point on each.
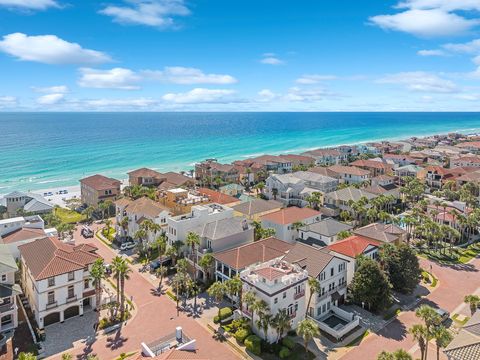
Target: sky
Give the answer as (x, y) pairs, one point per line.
(218, 55)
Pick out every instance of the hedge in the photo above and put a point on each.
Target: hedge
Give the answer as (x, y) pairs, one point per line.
(284, 353)
(225, 313)
(241, 335)
(288, 342)
(254, 344)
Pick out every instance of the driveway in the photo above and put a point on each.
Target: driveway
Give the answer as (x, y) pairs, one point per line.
(155, 318)
(454, 283)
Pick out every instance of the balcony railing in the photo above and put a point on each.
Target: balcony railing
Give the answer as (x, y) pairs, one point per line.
(328, 293)
(51, 305)
(71, 299)
(292, 315)
(7, 307)
(299, 295)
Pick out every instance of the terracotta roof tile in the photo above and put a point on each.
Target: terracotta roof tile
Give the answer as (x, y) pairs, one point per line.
(340, 169)
(290, 215)
(353, 245)
(22, 235)
(100, 182)
(217, 197)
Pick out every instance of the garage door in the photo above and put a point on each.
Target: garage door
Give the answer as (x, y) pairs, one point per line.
(70, 312)
(51, 319)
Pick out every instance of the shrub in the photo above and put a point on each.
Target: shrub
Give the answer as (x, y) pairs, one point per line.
(254, 344)
(288, 342)
(241, 323)
(292, 333)
(284, 353)
(225, 313)
(241, 335)
(216, 319)
(103, 323)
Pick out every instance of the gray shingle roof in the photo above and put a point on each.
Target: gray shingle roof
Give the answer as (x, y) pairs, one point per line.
(309, 258)
(222, 228)
(349, 193)
(466, 345)
(257, 206)
(327, 227)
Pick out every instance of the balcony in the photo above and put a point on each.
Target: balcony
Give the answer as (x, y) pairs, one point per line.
(335, 289)
(7, 307)
(71, 299)
(299, 295)
(51, 305)
(292, 315)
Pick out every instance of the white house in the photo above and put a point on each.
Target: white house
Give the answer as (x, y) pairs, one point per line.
(282, 286)
(327, 156)
(27, 202)
(293, 189)
(283, 220)
(179, 226)
(350, 174)
(331, 272)
(56, 279)
(8, 290)
(137, 211)
(322, 233)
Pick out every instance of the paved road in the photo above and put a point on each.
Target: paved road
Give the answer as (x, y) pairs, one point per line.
(155, 318)
(454, 283)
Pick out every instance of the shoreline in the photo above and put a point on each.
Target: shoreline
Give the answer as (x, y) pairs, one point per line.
(187, 167)
(74, 190)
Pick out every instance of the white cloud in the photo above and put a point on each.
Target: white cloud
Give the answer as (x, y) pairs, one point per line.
(119, 103)
(49, 49)
(8, 101)
(116, 78)
(448, 5)
(271, 60)
(157, 13)
(468, 48)
(431, 53)
(420, 81)
(59, 89)
(29, 4)
(306, 95)
(50, 99)
(468, 97)
(201, 95)
(426, 23)
(314, 79)
(187, 76)
(266, 95)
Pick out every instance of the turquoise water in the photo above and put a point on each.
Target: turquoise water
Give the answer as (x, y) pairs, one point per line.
(46, 150)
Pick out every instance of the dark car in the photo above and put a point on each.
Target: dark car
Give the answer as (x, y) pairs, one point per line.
(154, 265)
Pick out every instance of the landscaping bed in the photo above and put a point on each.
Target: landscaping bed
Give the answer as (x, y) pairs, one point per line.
(68, 216)
(450, 257)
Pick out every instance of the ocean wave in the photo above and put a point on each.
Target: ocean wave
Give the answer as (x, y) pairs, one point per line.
(53, 181)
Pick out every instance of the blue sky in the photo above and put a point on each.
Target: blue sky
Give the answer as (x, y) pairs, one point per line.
(209, 55)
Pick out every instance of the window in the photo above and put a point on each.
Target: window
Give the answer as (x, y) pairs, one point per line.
(332, 271)
(284, 294)
(7, 319)
(71, 292)
(86, 283)
(275, 301)
(71, 276)
(51, 297)
(51, 281)
(4, 277)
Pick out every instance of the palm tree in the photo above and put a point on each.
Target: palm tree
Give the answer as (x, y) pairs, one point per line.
(161, 272)
(103, 208)
(264, 323)
(217, 290)
(297, 225)
(399, 354)
(161, 244)
(88, 212)
(307, 329)
(97, 274)
(124, 225)
(281, 322)
(206, 262)
(67, 356)
(430, 318)
(192, 241)
(473, 301)
(234, 288)
(178, 282)
(420, 335)
(315, 288)
(442, 338)
(116, 264)
(108, 225)
(259, 307)
(249, 299)
(124, 271)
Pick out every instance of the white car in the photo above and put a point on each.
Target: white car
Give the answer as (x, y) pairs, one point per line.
(127, 246)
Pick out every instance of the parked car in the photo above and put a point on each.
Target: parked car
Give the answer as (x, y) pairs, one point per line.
(127, 245)
(87, 232)
(444, 314)
(154, 265)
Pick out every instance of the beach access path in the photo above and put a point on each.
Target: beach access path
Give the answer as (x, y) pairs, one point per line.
(155, 318)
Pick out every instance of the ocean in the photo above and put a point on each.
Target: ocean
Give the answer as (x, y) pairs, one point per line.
(49, 150)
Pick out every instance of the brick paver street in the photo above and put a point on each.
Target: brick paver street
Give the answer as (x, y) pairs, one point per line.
(155, 318)
(454, 283)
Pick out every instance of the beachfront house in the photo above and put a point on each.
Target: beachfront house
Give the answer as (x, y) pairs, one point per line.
(56, 280)
(19, 202)
(210, 171)
(327, 157)
(98, 188)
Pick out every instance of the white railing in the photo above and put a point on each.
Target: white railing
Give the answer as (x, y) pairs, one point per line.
(342, 330)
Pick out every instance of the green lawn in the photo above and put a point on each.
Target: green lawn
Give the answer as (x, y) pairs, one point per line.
(457, 256)
(68, 216)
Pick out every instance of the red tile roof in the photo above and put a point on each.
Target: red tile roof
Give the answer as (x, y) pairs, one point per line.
(269, 273)
(352, 246)
(145, 172)
(340, 169)
(100, 182)
(290, 215)
(217, 197)
(259, 251)
(22, 235)
(50, 257)
(371, 164)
